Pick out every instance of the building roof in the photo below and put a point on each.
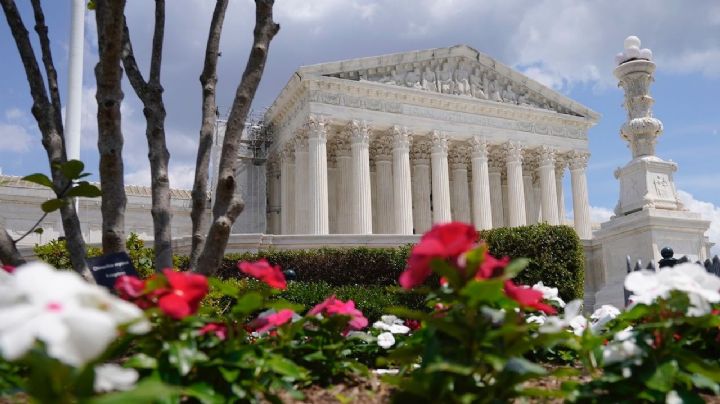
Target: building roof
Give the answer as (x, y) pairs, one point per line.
(130, 190)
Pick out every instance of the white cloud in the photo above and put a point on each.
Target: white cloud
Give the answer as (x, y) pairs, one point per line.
(181, 176)
(599, 214)
(708, 211)
(16, 131)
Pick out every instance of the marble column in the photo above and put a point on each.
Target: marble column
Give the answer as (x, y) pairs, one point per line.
(506, 210)
(481, 206)
(495, 166)
(287, 190)
(318, 219)
(361, 196)
(344, 185)
(374, 194)
(332, 192)
(440, 178)
(547, 185)
(559, 174)
(422, 212)
(301, 184)
(581, 204)
(382, 153)
(516, 187)
(538, 196)
(460, 199)
(402, 188)
(273, 200)
(529, 198)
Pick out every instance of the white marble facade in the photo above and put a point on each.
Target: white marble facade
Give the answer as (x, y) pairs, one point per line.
(392, 144)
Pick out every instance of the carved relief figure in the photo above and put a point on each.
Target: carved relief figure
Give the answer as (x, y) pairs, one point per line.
(476, 85)
(508, 95)
(523, 98)
(412, 79)
(445, 79)
(429, 81)
(462, 79)
(493, 90)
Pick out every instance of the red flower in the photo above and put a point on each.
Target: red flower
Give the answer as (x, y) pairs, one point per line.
(265, 323)
(412, 324)
(491, 267)
(265, 272)
(8, 268)
(527, 297)
(129, 287)
(443, 241)
(185, 293)
(219, 329)
(332, 306)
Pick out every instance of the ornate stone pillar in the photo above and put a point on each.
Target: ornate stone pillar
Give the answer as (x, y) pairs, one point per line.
(422, 211)
(506, 210)
(273, 190)
(581, 204)
(482, 210)
(382, 153)
(402, 187)
(317, 177)
(332, 190)
(287, 190)
(440, 178)
(516, 188)
(538, 195)
(459, 197)
(361, 197)
(547, 185)
(559, 174)
(301, 183)
(495, 166)
(531, 210)
(344, 185)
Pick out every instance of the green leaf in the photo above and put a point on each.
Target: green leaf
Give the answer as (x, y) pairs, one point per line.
(142, 361)
(516, 266)
(52, 205)
(446, 270)
(72, 169)
(523, 366)
(663, 378)
(483, 291)
(40, 179)
(183, 355)
(450, 368)
(85, 189)
(146, 391)
(286, 367)
(39, 230)
(204, 393)
(248, 303)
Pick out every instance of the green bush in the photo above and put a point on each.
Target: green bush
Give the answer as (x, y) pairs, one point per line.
(555, 252)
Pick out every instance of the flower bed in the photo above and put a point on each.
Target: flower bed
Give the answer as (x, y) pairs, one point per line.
(480, 336)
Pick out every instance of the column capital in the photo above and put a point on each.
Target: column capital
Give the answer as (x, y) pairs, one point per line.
(439, 142)
(479, 147)
(381, 147)
(513, 152)
(301, 141)
(316, 127)
(546, 156)
(272, 167)
(578, 160)
(359, 132)
(287, 154)
(401, 138)
(420, 150)
(458, 156)
(560, 163)
(496, 159)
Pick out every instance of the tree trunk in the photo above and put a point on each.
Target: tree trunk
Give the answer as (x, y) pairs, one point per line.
(47, 115)
(150, 93)
(208, 81)
(9, 255)
(227, 205)
(109, 16)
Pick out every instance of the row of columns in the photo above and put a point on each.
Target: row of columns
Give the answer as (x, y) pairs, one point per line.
(412, 194)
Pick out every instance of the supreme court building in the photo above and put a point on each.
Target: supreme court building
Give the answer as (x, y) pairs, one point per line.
(392, 144)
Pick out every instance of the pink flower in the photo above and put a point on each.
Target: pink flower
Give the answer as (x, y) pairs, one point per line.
(129, 287)
(185, 293)
(272, 275)
(267, 322)
(527, 297)
(8, 268)
(491, 267)
(219, 329)
(332, 306)
(444, 241)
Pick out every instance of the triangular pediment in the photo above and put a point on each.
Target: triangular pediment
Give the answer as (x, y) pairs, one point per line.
(458, 71)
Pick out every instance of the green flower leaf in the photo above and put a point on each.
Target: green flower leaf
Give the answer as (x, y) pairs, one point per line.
(85, 189)
(40, 179)
(663, 378)
(72, 169)
(248, 303)
(52, 205)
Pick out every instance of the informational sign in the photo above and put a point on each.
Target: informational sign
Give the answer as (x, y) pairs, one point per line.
(107, 268)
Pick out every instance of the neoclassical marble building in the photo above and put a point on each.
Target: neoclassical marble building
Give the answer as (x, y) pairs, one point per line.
(392, 144)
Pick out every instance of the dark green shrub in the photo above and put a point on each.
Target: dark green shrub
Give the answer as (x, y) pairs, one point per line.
(555, 253)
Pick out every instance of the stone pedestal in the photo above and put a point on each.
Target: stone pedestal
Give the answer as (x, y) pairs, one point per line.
(647, 182)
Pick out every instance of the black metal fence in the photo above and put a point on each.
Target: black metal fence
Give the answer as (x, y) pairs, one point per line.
(668, 261)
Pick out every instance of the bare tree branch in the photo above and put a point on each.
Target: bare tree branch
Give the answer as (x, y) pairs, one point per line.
(208, 81)
(227, 204)
(47, 114)
(150, 93)
(9, 254)
(109, 17)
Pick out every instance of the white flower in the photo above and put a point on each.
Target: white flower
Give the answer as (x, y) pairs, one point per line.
(602, 316)
(622, 347)
(537, 319)
(549, 294)
(75, 319)
(392, 324)
(700, 286)
(570, 319)
(112, 377)
(673, 398)
(386, 340)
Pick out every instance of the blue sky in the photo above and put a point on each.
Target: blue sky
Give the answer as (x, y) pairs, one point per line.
(567, 44)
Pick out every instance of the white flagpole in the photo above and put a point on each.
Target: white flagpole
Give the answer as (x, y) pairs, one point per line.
(73, 111)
